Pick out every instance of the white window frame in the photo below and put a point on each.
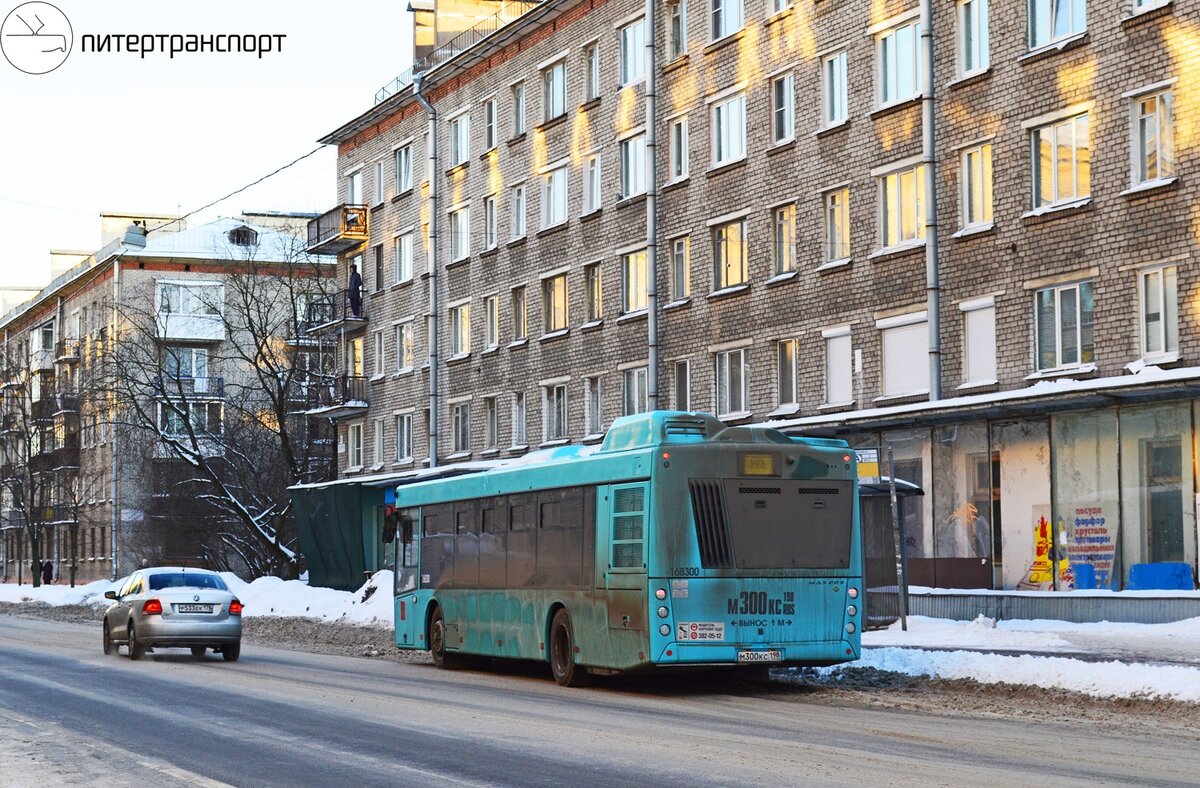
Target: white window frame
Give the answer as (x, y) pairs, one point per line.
(518, 109)
(405, 347)
(1166, 295)
(403, 264)
(591, 71)
(460, 233)
(460, 139)
(1054, 130)
(725, 268)
(834, 89)
(727, 130)
(520, 313)
(491, 321)
(377, 178)
(678, 153)
(460, 329)
(518, 212)
(519, 436)
(783, 238)
(593, 406)
(491, 423)
(633, 166)
(731, 396)
(593, 292)
(354, 188)
(681, 264)
(635, 390)
(460, 426)
(839, 351)
(490, 137)
(554, 197)
(554, 91)
(684, 366)
(403, 168)
(787, 368)
(489, 222)
(901, 198)
(1163, 142)
(592, 194)
(555, 303)
(783, 109)
(404, 437)
(378, 365)
(1060, 293)
(377, 444)
(354, 446)
(893, 73)
(974, 56)
(975, 186)
(974, 311)
(1047, 11)
(908, 336)
(727, 17)
(676, 29)
(554, 412)
(634, 282)
(836, 225)
(632, 39)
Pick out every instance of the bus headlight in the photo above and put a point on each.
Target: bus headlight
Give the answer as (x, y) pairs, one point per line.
(660, 594)
(850, 628)
(852, 593)
(852, 610)
(664, 630)
(663, 612)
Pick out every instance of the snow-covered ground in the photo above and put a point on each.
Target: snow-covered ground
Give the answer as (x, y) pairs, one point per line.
(1102, 660)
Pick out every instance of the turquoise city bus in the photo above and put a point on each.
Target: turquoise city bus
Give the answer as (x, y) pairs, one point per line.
(679, 541)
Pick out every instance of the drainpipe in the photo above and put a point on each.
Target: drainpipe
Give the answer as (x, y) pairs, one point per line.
(928, 159)
(116, 433)
(651, 209)
(432, 322)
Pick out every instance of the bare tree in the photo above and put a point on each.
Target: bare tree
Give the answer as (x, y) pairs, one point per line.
(222, 423)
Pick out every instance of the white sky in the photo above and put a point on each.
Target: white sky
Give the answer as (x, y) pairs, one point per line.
(116, 132)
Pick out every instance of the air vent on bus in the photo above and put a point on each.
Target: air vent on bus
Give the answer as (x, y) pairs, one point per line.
(687, 427)
(712, 528)
(818, 491)
(758, 490)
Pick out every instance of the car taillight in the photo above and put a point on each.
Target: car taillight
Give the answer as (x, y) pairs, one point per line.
(152, 607)
(235, 608)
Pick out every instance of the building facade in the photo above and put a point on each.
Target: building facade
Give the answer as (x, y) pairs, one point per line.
(983, 260)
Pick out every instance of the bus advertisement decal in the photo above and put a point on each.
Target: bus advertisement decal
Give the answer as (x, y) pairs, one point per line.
(700, 630)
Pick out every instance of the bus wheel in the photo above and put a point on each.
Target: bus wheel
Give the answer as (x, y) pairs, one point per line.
(437, 642)
(562, 652)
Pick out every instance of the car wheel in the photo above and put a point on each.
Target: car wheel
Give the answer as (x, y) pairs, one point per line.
(231, 651)
(109, 648)
(198, 651)
(562, 652)
(437, 643)
(136, 649)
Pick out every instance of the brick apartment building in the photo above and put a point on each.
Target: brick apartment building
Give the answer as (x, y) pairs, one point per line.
(75, 465)
(1053, 399)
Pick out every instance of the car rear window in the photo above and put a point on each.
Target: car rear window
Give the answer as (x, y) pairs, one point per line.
(186, 580)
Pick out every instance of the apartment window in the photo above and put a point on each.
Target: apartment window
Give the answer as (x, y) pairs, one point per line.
(354, 353)
(833, 89)
(518, 211)
(595, 297)
(377, 255)
(633, 52)
(460, 233)
(899, 55)
(973, 36)
(354, 444)
(729, 254)
(518, 419)
(591, 83)
(404, 171)
(784, 238)
(634, 282)
(633, 166)
(491, 321)
(489, 124)
(979, 341)
(554, 412)
(783, 109)
(354, 188)
(554, 197)
(637, 391)
(405, 352)
(731, 382)
(404, 257)
(728, 130)
(837, 366)
(460, 417)
(726, 17)
(377, 444)
(377, 344)
(904, 342)
(785, 358)
(591, 184)
(1160, 313)
(489, 222)
(902, 205)
(460, 329)
(1153, 137)
(203, 418)
(176, 298)
(780, 5)
(678, 152)
(593, 408)
(519, 314)
(378, 182)
(676, 29)
(460, 139)
(1053, 20)
(837, 225)
(681, 264)
(554, 91)
(554, 303)
(977, 185)
(518, 109)
(491, 425)
(404, 438)
(184, 363)
(1064, 320)
(683, 385)
(1062, 156)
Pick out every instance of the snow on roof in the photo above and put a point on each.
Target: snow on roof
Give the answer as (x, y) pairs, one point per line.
(212, 241)
(398, 477)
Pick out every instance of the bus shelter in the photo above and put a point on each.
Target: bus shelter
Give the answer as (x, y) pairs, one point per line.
(882, 537)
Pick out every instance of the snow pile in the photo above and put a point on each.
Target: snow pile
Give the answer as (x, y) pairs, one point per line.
(371, 604)
(90, 594)
(983, 631)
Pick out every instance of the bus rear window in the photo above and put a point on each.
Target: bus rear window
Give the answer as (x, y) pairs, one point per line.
(790, 524)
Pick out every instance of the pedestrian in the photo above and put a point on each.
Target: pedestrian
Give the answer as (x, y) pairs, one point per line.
(355, 291)
(48, 573)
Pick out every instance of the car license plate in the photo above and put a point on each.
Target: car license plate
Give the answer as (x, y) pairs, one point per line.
(760, 656)
(195, 608)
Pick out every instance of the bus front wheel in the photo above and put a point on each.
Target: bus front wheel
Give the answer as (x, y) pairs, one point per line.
(562, 652)
(437, 642)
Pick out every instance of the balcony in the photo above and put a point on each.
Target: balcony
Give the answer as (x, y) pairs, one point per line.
(339, 230)
(343, 310)
(10, 424)
(42, 360)
(338, 397)
(43, 409)
(66, 351)
(190, 388)
(66, 403)
(14, 380)
(182, 327)
(66, 454)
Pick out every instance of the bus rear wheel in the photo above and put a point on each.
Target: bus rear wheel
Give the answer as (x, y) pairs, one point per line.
(562, 652)
(437, 643)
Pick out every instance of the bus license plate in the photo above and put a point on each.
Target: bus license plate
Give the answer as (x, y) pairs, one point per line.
(760, 656)
(195, 608)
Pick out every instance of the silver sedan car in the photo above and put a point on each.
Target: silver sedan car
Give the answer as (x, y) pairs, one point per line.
(175, 608)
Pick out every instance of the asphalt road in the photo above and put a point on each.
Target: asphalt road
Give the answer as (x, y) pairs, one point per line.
(69, 715)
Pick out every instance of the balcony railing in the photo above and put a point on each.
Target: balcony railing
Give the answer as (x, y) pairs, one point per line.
(43, 409)
(190, 388)
(66, 351)
(334, 397)
(66, 455)
(336, 231)
(66, 403)
(344, 309)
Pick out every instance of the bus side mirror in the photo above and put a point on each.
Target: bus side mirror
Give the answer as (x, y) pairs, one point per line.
(110, 594)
